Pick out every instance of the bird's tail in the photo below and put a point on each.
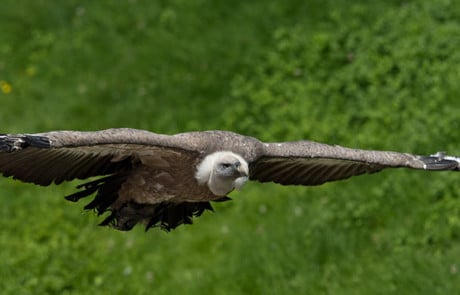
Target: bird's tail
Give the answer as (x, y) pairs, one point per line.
(166, 215)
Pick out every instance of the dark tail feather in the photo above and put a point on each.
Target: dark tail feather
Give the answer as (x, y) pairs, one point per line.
(108, 220)
(106, 195)
(107, 192)
(77, 196)
(166, 215)
(182, 213)
(91, 187)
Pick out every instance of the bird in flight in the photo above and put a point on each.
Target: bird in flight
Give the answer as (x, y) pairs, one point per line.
(165, 180)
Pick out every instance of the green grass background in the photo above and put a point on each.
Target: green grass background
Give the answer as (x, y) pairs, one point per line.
(365, 74)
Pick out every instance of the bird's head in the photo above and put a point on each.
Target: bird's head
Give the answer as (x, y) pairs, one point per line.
(223, 172)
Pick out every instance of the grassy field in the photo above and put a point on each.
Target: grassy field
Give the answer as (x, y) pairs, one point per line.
(371, 74)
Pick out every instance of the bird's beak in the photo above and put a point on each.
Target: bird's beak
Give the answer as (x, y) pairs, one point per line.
(243, 171)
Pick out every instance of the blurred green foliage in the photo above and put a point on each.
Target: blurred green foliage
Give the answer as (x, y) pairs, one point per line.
(385, 77)
(378, 75)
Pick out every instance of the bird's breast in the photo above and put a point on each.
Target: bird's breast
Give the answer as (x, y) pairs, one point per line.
(151, 185)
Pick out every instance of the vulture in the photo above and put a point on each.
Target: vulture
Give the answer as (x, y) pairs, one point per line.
(165, 180)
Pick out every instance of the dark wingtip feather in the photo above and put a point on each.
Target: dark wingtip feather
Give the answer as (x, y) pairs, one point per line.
(11, 143)
(37, 141)
(440, 162)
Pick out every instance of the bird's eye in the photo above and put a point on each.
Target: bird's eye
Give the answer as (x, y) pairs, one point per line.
(225, 165)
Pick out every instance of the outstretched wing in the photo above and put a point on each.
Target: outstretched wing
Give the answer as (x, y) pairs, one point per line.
(311, 163)
(65, 155)
(57, 156)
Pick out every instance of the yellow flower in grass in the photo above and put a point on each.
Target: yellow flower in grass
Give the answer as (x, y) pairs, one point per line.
(5, 87)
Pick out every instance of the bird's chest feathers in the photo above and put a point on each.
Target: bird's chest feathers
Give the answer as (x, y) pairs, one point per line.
(158, 179)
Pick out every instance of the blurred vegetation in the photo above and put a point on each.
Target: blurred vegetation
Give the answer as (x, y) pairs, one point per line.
(367, 74)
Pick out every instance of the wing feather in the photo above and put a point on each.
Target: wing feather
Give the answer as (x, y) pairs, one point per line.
(58, 156)
(64, 155)
(45, 166)
(311, 163)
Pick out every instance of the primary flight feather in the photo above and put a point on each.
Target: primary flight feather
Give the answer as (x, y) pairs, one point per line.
(166, 180)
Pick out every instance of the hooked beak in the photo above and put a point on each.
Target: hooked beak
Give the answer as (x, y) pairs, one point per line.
(242, 169)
